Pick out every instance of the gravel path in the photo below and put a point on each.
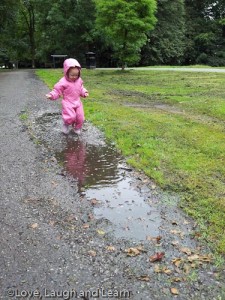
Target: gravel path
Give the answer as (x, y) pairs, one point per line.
(53, 246)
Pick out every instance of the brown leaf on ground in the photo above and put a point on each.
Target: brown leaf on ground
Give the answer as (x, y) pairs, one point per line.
(94, 201)
(177, 232)
(144, 278)
(177, 261)
(156, 239)
(92, 253)
(110, 248)
(34, 226)
(133, 251)
(186, 250)
(174, 291)
(193, 257)
(71, 217)
(91, 217)
(177, 279)
(157, 257)
(174, 222)
(175, 243)
(52, 223)
(199, 258)
(186, 268)
(159, 269)
(85, 226)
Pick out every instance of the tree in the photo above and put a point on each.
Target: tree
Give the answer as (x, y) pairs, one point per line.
(8, 17)
(166, 41)
(124, 24)
(66, 27)
(28, 14)
(205, 32)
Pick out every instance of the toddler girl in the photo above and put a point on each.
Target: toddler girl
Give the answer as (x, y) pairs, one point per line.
(71, 88)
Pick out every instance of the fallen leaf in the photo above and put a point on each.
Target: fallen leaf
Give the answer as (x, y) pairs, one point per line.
(174, 291)
(52, 223)
(177, 279)
(177, 261)
(144, 278)
(156, 239)
(174, 223)
(193, 257)
(175, 243)
(85, 226)
(156, 257)
(34, 226)
(177, 232)
(92, 253)
(91, 217)
(132, 251)
(157, 269)
(140, 248)
(166, 271)
(110, 248)
(94, 201)
(186, 268)
(71, 218)
(100, 231)
(205, 258)
(186, 250)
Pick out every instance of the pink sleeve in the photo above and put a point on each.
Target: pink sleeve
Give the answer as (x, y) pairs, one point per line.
(57, 90)
(83, 90)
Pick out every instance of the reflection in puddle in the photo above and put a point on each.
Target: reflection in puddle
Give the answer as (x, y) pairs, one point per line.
(91, 165)
(98, 168)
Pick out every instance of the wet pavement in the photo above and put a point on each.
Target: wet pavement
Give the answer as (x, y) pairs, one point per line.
(78, 222)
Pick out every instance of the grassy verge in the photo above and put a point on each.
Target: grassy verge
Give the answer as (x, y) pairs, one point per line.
(171, 126)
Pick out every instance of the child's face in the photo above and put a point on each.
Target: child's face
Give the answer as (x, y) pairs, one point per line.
(73, 73)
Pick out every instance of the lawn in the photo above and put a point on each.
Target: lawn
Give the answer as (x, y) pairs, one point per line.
(170, 125)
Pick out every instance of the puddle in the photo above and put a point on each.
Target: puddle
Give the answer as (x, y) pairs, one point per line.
(100, 171)
(91, 165)
(124, 206)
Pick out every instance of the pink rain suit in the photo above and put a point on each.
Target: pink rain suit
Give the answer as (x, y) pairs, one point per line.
(71, 91)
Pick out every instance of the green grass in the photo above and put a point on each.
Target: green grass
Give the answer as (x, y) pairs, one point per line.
(171, 126)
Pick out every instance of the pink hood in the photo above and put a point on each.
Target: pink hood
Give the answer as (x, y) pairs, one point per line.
(69, 63)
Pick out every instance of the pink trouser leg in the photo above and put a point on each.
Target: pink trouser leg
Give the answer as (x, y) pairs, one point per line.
(68, 114)
(72, 115)
(79, 117)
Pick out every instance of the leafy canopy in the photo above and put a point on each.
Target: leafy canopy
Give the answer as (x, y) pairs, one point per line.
(125, 24)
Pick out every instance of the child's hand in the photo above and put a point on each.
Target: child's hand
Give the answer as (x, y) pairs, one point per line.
(86, 94)
(48, 96)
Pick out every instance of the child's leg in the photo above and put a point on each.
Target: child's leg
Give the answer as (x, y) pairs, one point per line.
(79, 117)
(68, 114)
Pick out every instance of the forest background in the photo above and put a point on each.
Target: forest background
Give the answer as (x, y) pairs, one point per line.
(133, 33)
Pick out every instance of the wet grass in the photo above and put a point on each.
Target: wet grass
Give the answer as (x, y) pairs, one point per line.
(171, 126)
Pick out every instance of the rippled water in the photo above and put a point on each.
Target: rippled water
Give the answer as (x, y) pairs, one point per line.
(100, 170)
(91, 165)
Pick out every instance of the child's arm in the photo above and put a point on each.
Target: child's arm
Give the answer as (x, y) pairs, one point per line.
(84, 93)
(56, 92)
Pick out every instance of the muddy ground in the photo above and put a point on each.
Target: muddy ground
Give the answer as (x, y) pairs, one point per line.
(78, 223)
